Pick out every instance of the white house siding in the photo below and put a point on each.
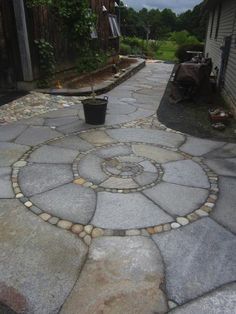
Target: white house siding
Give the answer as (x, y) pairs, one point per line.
(227, 27)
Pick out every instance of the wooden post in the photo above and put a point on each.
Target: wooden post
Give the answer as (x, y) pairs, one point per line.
(23, 40)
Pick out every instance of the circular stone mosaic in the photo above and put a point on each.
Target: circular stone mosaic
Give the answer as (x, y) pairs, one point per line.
(72, 182)
(121, 169)
(115, 168)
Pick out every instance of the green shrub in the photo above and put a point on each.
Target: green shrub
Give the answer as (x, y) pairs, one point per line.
(91, 60)
(47, 62)
(183, 38)
(137, 46)
(125, 49)
(134, 42)
(182, 54)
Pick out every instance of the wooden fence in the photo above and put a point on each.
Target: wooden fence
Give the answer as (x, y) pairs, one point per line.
(44, 23)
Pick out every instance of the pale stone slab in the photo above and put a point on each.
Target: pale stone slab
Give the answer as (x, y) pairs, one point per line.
(119, 183)
(53, 155)
(198, 147)
(35, 135)
(147, 99)
(127, 211)
(73, 127)
(120, 107)
(158, 154)
(39, 263)
(176, 199)
(97, 137)
(57, 122)
(148, 166)
(33, 121)
(90, 169)
(132, 158)
(113, 151)
(146, 135)
(140, 113)
(146, 178)
(38, 178)
(72, 142)
(70, 202)
(121, 275)
(199, 257)
(223, 167)
(225, 210)
(219, 301)
(10, 153)
(5, 183)
(112, 119)
(11, 131)
(185, 172)
(227, 151)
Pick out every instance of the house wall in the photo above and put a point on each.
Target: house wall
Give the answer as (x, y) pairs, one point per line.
(227, 27)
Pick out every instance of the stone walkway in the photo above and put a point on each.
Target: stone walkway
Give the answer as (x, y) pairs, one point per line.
(130, 217)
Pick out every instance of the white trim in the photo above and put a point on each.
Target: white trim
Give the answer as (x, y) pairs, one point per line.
(115, 30)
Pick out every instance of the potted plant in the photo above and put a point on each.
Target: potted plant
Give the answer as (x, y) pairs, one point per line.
(94, 108)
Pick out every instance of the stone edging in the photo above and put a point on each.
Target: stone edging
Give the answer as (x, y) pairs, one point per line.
(87, 232)
(99, 88)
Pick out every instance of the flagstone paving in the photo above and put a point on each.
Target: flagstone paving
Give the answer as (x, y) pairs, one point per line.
(155, 207)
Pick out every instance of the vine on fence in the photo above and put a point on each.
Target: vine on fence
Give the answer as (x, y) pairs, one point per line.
(46, 62)
(76, 19)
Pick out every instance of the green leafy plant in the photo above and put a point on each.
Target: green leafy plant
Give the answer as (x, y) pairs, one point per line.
(137, 46)
(46, 62)
(184, 38)
(75, 15)
(34, 3)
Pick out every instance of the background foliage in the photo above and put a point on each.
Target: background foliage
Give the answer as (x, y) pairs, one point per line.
(156, 24)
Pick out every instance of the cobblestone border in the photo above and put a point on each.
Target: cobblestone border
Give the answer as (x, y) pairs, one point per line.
(87, 232)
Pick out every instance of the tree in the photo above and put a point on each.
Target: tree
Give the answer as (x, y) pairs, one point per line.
(169, 19)
(194, 21)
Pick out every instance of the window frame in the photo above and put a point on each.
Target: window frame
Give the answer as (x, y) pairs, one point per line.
(218, 20)
(114, 26)
(212, 22)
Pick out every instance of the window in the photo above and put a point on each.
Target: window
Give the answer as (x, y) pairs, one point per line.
(218, 20)
(212, 22)
(115, 29)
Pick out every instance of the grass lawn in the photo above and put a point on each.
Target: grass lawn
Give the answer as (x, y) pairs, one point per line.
(167, 51)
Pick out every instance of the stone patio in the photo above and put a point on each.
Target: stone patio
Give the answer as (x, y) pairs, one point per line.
(129, 217)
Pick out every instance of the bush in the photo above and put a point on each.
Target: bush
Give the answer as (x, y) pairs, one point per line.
(125, 49)
(91, 60)
(137, 46)
(135, 43)
(182, 54)
(183, 38)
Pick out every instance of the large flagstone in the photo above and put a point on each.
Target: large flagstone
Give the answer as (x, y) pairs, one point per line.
(127, 211)
(39, 263)
(198, 257)
(121, 275)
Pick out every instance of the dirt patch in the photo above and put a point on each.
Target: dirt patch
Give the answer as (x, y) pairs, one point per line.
(192, 117)
(99, 77)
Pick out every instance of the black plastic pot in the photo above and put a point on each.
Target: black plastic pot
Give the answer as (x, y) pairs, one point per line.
(95, 110)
